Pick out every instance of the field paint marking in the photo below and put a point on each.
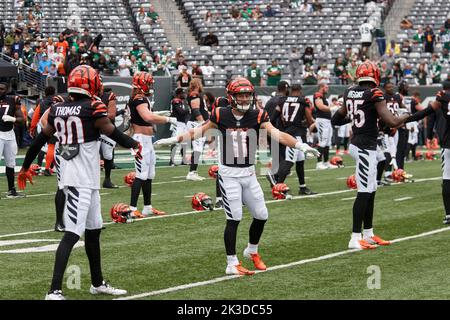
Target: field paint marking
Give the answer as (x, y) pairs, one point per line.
(282, 266)
(192, 212)
(403, 199)
(346, 199)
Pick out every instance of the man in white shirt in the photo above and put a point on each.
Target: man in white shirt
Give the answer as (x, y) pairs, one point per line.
(366, 30)
(207, 69)
(124, 65)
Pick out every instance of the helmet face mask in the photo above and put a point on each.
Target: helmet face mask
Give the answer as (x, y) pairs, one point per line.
(201, 202)
(121, 213)
(242, 102)
(241, 94)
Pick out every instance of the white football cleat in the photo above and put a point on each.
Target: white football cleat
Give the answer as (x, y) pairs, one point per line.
(330, 166)
(321, 166)
(55, 295)
(238, 270)
(193, 176)
(105, 288)
(360, 244)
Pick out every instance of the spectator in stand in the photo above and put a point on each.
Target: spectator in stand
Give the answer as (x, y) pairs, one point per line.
(269, 12)
(406, 46)
(380, 38)
(184, 78)
(254, 75)
(246, 12)
(207, 69)
(294, 62)
(366, 30)
(324, 74)
(322, 55)
(86, 38)
(124, 65)
(419, 37)
(27, 54)
(394, 48)
(153, 15)
(317, 7)
(445, 56)
(397, 73)
(351, 70)
(430, 40)
(37, 13)
(181, 62)
(406, 24)
(339, 69)
(62, 46)
(197, 72)
(136, 51)
(444, 38)
(273, 74)
(407, 71)
(45, 63)
(145, 63)
(384, 73)
(111, 66)
(421, 75)
(308, 56)
(141, 16)
(133, 65)
(211, 40)
(235, 13)
(306, 7)
(309, 77)
(209, 17)
(2, 36)
(28, 3)
(257, 13)
(53, 72)
(447, 26)
(435, 69)
(17, 46)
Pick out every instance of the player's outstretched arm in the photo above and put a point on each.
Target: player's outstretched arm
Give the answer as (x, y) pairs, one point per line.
(288, 140)
(388, 118)
(340, 117)
(152, 117)
(192, 134)
(435, 105)
(108, 129)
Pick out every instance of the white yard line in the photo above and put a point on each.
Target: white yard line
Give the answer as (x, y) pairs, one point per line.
(403, 199)
(347, 199)
(283, 266)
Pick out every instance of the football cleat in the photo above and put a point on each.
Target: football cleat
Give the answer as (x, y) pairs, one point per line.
(306, 191)
(219, 203)
(377, 240)
(121, 213)
(129, 178)
(321, 166)
(59, 227)
(201, 201)
(137, 215)
(360, 244)
(107, 184)
(55, 295)
(238, 270)
(105, 288)
(48, 173)
(280, 191)
(446, 219)
(256, 258)
(351, 182)
(193, 176)
(13, 194)
(157, 212)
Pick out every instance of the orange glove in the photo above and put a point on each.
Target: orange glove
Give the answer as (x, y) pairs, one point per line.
(22, 178)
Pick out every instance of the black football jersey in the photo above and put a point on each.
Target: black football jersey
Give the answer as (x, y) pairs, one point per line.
(320, 113)
(271, 106)
(239, 137)
(135, 117)
(8, 107)
(179, 110)
(393, 102)
(74, 121)
(292, 115)
(444, 98)
(220, 102)
(360, 104)
(203, 109)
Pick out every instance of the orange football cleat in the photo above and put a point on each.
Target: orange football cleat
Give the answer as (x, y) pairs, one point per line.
(157, 212)
(257, 261)
(366, 245)
(239, 270)
(377, 240)
(137, 214)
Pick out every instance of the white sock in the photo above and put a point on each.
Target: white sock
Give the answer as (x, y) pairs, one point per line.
(252, 248)
(356, 236)
(368, 233)
(303, 186)
(232, 260)
(133, 208)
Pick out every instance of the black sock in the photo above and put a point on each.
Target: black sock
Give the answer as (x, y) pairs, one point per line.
(40, 158)
(326, 154)
(300, 168)
(388, 161)
(60, 201)
(172, 154)
(345, 144)
(284, 170)
(229, 237)
(446, 195)
(194, 161)
(218, 192)
(108, 164)
(183, 153)
(92, 247)
(135, 191)
(368, 216)
(413, 149)
(338, 143)
(147, 191)
(380, 169)
(319, 158)
(256, 230)
(359, 209)
(61, 258)
(10, 177)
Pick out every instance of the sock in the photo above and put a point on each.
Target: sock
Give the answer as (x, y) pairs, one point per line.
(10, 177)
(345, 144)
(218, 192)
(368, 216)
(92, 247)
(252, 248)
(380, 169)
(60, 201)
(172, 154)
(194, 161)
(135, 191)
(446, 195)
(300, 168)
(284, 170)
(108, 164)
(356, 236)
(50, 156)
(147, 191)
(133, 208)
(61, 258)
(256, 230)
(229, 237)
(359, 209)
(319, 158)
(232, 260)
(40, 158)
(326, 154)
(368, 233)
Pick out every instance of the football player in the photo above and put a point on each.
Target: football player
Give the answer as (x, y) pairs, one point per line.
(238, 126)
(442, 102)
(142, 121)
(107, 145)
(324, 128)
(199, 114)
(292, 114)
(10, 113)
(179, 110)
(77, 125)
(363, 105)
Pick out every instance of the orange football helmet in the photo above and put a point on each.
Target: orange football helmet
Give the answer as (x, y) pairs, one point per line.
(201, 201)
(213, 170)
(351, 182)
(430, 155)
(337, 161)
(143, 81)
(84, 80)
(129, 178)
(280, 191)
(241, 85)
(121, 213)
(368, 71)
(419, 155)
(35, 169)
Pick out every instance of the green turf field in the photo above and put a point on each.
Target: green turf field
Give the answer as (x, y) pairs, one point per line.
(152, 255)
